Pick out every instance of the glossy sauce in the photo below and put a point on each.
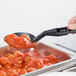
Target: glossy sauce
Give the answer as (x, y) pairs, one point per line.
(19, 42)
(17, 61)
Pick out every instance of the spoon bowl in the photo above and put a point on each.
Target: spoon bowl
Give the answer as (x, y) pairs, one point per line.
(24, 33)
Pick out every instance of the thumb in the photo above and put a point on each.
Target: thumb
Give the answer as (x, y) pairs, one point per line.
(72, 26)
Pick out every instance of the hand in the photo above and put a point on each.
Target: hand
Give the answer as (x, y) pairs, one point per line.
(72, 23)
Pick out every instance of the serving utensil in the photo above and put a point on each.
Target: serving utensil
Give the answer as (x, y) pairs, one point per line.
(52, 32)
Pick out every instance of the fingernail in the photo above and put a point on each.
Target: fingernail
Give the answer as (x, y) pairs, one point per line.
(69, 27)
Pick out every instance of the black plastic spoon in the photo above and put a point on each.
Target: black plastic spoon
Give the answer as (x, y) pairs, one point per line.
(52, 32)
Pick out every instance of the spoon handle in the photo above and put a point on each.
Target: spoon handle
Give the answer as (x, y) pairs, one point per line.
(54, 32)
(59, 31)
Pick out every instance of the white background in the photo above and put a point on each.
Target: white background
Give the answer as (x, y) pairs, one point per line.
(59, 74)
(35, 16)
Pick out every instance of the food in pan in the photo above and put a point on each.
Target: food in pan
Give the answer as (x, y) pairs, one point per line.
(18, 60)
(20, 63)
